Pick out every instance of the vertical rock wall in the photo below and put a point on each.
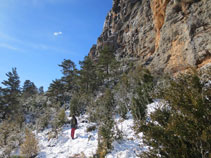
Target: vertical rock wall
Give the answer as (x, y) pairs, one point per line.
(163, 35)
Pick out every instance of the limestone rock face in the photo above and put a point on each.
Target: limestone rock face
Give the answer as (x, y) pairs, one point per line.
(163, 35)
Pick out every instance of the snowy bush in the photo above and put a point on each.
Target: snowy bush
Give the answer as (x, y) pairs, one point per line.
(91, 128)
(121, 96)
(118, 133)
(103, 115)
(78, 104)
(60, 118)
(43, 121)
(181, 127)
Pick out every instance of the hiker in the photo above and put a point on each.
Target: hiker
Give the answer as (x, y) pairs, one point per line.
(73, 123)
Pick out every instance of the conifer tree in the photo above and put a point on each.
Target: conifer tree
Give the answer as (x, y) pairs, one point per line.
(106, 63)
(56, 89)
(41, 90)
(13, 83)
(106, 123)
(11, 92)
(68, 67)
(142, 97)
(122, 93)
(70, 74)
(181, 127)
(87, 75)
(29, 89)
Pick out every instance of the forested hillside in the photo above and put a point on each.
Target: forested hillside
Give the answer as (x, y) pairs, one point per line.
(142, 91)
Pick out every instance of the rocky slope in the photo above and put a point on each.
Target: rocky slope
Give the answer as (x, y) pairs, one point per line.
(163, 35)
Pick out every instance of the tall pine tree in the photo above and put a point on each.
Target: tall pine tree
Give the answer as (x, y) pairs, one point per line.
(13, 83)
(87, 73)
(106, 64)
(56, 90)
(70, 74)
(29, 89)
(10, 93)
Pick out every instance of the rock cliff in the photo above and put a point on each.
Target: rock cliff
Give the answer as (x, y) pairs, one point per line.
(163, 35)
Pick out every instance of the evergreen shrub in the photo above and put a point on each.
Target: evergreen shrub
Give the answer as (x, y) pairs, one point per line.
(61, 118)
(181, 127)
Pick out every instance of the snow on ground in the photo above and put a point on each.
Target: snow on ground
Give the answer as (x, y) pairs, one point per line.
(131, 144)
(86, 142)
(153, 106)
(64, 147)
(1, 152)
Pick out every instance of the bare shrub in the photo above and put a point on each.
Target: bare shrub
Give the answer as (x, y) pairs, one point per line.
(29, 148)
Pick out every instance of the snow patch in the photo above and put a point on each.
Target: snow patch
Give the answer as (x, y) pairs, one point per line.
(153, 106)
(131, 144)
(85, 143)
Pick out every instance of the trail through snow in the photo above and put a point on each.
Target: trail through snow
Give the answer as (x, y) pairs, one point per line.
(85, 144)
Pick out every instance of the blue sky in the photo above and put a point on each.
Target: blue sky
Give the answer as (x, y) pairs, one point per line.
(36, 35)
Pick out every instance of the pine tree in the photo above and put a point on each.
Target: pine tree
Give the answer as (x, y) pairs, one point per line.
(29, 89)
(56, 90)
(70, 74)
(87, 78)
(106, 63)
(13, 83)
(41, 90)
(68, 67)
(11, 92)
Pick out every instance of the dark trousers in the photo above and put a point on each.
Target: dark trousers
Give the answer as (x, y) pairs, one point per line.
(72, 132)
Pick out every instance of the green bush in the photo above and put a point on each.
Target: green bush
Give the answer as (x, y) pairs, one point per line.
(91, 128)
(78, 103)
(182, 126)
(142, 94)
(7, 128)
(44, 121)
(106, 123)
(74, 106)
(122, 110)
(92, 111)
(122, 97)
(105, 137)
(60, 118)
(106, 132)
(102, 108)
